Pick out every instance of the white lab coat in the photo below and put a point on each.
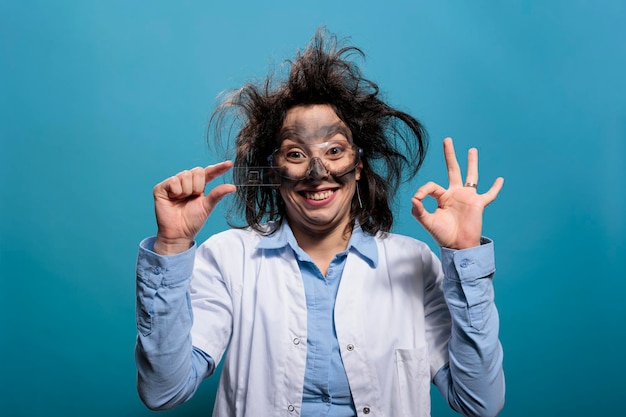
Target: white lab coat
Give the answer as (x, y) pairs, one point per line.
(392, 323)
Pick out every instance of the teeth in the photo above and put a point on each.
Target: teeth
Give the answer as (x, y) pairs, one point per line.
(322, 195)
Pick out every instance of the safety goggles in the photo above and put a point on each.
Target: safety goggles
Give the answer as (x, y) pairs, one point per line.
(297, 161)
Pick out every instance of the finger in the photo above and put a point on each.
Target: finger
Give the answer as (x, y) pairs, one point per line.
(472, 166)
(491, 195)
(418, 210)
(186, 182)
(198, 183)
(454, 171)
(169, 188)
(213, 171)
(217, 194)
(429, 189)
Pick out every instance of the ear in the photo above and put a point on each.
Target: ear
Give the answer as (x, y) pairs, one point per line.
(357, 171)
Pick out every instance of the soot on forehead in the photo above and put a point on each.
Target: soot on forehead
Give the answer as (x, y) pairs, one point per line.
(304, 133)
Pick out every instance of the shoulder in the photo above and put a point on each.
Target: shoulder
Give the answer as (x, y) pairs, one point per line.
(226, 254)
(401, 249)
(231, 239)
(237, 239)
(402, 243)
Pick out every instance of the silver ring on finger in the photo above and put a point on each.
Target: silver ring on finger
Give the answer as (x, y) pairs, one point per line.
(471, 184)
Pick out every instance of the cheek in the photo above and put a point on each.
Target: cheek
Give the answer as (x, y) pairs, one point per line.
(348, 179)
(286, 193)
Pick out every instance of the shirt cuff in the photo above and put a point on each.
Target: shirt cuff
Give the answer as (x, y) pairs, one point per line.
(469, 264)
(160, 270)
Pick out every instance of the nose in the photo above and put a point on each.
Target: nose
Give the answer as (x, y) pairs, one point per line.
(316, 170)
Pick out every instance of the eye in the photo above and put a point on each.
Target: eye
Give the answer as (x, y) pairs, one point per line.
(293, 155)
(336, 150)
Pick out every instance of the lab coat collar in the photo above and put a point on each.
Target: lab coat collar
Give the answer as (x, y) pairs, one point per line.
(362, 243)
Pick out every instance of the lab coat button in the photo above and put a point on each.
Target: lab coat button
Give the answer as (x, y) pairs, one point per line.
(296, 341)
(350, 347)
(366, 410)
(291, 408)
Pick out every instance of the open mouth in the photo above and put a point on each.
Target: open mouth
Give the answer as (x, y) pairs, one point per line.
(317, 195)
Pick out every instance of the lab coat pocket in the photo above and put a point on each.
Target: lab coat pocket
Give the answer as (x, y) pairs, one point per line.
(413, 382)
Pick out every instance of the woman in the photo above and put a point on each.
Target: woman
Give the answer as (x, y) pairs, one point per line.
(319, 308)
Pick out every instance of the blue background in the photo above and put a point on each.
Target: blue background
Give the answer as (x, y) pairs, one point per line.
(100, 100)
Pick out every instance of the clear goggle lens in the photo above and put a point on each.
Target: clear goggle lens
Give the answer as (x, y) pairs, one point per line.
(242, 176)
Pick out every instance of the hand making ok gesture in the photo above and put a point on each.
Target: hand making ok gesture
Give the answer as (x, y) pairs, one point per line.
(457, 221)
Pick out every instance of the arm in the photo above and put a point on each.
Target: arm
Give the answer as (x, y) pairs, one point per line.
(169, 368)
(473, 380)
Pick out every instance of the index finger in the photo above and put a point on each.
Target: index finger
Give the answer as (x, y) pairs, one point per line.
(454, 170)
(213, 171)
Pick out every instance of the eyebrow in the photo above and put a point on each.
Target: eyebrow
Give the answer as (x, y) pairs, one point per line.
(299, 133)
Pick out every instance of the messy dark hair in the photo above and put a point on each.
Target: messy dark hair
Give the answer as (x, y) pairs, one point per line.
(393, 142)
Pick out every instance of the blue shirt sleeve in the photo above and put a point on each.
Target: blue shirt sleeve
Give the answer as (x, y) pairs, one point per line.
(169, 368)
(473, 380)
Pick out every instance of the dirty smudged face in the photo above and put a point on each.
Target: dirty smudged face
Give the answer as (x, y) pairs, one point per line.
(316, 149)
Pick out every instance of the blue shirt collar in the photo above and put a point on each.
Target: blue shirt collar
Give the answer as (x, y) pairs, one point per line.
(362, 243)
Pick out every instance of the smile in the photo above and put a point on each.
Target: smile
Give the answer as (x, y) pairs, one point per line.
(319, 195)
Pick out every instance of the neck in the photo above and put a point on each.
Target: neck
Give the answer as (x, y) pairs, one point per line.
(322, 246)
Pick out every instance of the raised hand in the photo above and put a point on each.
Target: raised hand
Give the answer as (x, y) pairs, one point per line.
(182, 208)
(457, 221)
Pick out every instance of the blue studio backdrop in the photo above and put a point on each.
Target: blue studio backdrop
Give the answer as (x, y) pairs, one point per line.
(100, 100)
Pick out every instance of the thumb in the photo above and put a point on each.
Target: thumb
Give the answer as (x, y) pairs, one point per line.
(216, 195)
